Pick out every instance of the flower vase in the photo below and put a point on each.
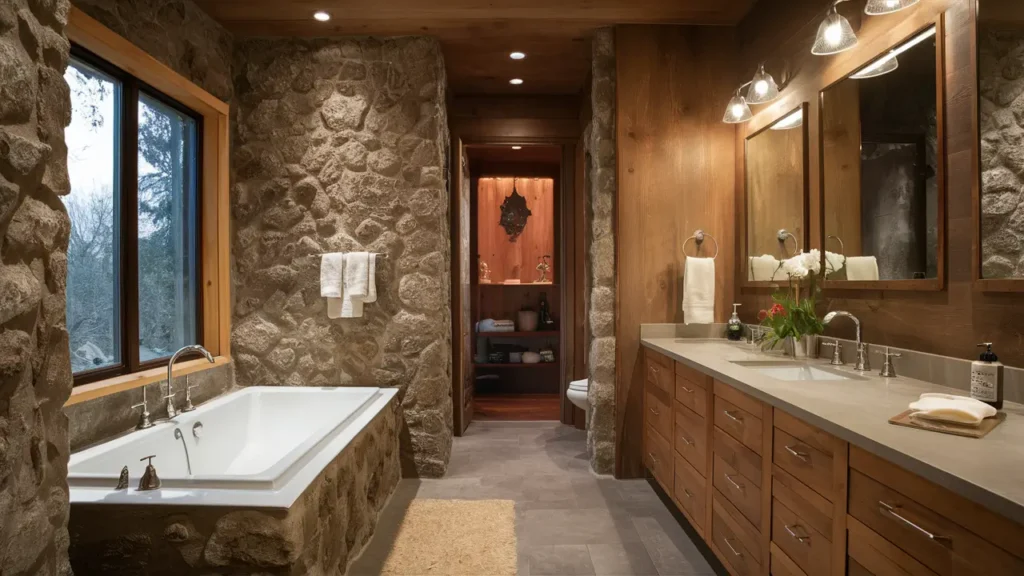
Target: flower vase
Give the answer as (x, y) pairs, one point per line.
(804, 347)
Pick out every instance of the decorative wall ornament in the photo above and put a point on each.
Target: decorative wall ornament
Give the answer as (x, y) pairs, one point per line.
(514, 214)
(543, 267)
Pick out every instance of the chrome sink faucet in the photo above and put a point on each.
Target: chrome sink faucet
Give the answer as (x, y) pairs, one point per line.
(171, 411)
(863, 363)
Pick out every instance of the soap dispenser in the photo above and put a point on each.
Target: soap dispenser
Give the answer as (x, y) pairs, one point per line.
(734, 328)
(987, 378)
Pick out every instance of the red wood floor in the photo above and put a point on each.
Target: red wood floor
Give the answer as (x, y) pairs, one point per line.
(517, 407)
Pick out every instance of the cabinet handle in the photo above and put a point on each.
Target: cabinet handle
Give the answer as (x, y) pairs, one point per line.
(886, 508)
(654, 411)
(797, 537)
(653, 459)
(653, 370)
(685, 389)
(733, 482)
(801, 455)
(685, 439)
(687, 493)
(729, 544)
(734, 418)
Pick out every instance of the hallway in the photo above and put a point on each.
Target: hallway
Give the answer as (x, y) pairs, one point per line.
(568, 521)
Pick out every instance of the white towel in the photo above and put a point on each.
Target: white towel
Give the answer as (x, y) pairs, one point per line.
(862, 268)
(949, 408)
(371, 279)
(332, 270)
(699, 291)
(763, 268)
(355, 284)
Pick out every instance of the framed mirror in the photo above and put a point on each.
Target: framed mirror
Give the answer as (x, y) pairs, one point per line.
(883, 170)
(999, 206)
(775, 197)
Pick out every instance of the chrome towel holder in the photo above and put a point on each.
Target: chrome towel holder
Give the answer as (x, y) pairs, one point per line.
(784, 235)
(698, 239)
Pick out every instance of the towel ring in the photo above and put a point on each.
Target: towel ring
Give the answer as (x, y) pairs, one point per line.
(784, 235)
(842, 250)
(698, 239)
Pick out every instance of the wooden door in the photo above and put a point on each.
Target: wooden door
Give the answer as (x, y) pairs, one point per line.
(462, 369)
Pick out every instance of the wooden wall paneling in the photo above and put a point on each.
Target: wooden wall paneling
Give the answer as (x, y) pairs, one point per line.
(676, 173)
(516, 260)
(566, 253)
(840, 166)
(775, 190)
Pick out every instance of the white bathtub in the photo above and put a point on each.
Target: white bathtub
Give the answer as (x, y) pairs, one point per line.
(259, 447)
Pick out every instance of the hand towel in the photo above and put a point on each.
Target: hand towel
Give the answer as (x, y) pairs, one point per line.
(862, 268)
(332, 270)
(763, 268)
(699, 291)
(371, 279)
(834, 262)
(355, 284)
(950, 408)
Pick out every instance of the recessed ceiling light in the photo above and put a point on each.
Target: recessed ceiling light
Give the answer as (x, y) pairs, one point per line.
(321, 16)
(517, 55)
(515, 81)
(517, 147)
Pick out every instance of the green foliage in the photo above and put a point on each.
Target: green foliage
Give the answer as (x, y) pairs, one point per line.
(791, 315)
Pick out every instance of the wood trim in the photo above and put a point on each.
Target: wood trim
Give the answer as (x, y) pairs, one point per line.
(767, 423)
(139, 379)
(841, 485)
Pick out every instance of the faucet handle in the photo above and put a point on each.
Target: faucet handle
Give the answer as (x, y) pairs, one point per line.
(144, 421)
(837, 352)
(888, 371)
(149, 480)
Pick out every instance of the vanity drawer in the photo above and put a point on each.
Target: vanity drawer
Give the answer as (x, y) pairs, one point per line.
(690, 491)
(658, 412)
(659, 372)
(810, 549)
(808, 464)
(692, 396)
(691, 439)
(695, 376)
(658, 457)
(871, 555)
(738, 457)
(738, 423)
(932, 539)
(739, 490)
(736, 546)
(783, 565)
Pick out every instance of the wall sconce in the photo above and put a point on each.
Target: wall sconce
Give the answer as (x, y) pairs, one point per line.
(888, 62)
(835, 34)
(879, 7)
(737, 111)
(763, 88)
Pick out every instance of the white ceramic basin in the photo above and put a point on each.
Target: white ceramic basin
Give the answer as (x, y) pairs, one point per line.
(793, 371)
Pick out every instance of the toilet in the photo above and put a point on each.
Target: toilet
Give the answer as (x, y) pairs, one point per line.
(577, 394)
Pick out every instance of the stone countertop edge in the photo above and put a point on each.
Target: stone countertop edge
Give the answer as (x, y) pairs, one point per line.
(986, 477)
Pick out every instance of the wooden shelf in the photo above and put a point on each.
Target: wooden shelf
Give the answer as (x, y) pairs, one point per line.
(533, 334)
(517, 365)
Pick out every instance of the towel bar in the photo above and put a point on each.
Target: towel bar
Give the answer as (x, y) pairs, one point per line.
(698, 239)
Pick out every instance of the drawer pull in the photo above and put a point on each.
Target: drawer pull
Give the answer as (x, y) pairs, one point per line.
(686, 440)
(729, 544)
(801, 455)
(685, 389)
(654, 411)
(733, 482)
(653, 370)
(653, 459)
(797, 537)
(886, 508)
(734, 418)
(687, 493)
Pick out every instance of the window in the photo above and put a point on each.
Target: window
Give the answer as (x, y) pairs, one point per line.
(133, 275)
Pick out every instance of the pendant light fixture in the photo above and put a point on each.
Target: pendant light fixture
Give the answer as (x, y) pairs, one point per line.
(879, 7)
(763, 88)
(835, 34)
(888, 61)
(737, 111)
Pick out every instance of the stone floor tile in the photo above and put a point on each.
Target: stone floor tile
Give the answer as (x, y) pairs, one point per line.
(590, 526)
(672, 557)
(563, 560)
(629, 559)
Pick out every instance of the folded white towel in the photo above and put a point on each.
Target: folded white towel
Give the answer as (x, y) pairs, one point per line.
(862, 268)
(355, 284)
(949, 408)
(371, 279)
(332, 269)
(834, 262)
(699, 291)
(763, 268)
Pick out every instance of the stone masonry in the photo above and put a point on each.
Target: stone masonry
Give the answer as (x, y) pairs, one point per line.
(325, 528)
(341, 145)
(35, 366)
(600, 143)
(1001, 98)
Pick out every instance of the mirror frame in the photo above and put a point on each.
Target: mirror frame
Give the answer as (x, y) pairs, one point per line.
(922, 285)
(805, 240)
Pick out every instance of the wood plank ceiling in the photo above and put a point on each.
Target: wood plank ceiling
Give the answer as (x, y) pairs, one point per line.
(478, 35)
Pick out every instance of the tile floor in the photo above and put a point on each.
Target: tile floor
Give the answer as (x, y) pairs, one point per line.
(569, 521)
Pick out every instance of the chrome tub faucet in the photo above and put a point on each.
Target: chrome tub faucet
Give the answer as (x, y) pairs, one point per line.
(195, 348)
(863, 363)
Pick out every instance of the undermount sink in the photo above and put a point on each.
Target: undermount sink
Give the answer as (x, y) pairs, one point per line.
(795, 371)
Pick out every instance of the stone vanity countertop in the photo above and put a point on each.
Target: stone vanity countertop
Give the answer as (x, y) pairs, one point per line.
(989, 471)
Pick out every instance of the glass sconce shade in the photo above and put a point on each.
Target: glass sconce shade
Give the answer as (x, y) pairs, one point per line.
(737, 111)
(835, 35)
(878, 68)
(879, 7)
(763, 88)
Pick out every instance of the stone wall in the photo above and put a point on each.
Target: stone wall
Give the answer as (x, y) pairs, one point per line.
(1001, 99)
(326, 527)
(601, 186)
(341, 145)
(35, 367)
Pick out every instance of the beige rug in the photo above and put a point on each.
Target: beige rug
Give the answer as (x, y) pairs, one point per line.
(455, 538)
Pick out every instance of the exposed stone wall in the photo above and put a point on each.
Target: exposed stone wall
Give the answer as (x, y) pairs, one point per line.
(326, 527)
(175, 32)
(600, 144)
(1001, 98)
(35, 366)
(341, 145)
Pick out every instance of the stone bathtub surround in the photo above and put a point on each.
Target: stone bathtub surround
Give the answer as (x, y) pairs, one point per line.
(341, 145)
(319, 534)
(35, 367)
(986, 470)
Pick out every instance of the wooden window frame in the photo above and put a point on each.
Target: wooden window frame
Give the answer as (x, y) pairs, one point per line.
(213, 249)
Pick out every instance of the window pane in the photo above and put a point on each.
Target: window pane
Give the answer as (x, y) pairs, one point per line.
(93, 315)
(167, 226)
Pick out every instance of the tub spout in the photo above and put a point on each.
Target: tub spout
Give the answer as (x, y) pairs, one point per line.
(195, 348)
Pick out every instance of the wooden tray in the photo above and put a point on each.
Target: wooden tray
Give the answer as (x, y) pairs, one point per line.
(904, 419)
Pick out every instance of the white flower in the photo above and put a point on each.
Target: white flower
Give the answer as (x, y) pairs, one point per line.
(803, 264)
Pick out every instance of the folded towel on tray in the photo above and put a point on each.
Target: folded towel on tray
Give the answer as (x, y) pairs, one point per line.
(960, 410)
